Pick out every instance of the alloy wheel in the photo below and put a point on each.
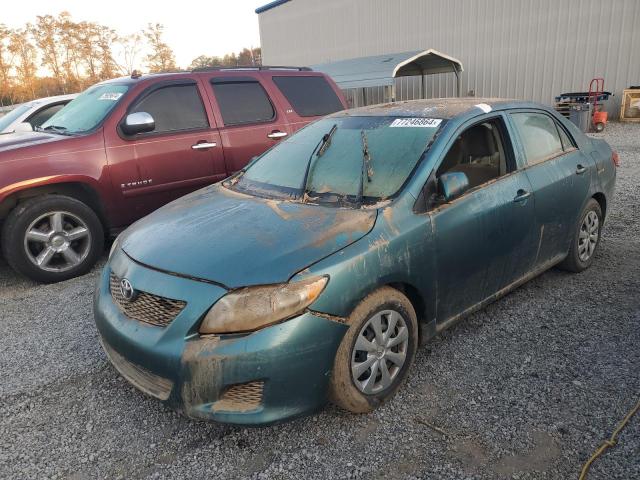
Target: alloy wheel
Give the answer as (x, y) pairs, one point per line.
(57, 241)
(380, 351)
(588, 236)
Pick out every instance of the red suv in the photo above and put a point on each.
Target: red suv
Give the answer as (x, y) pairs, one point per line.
(127, 146)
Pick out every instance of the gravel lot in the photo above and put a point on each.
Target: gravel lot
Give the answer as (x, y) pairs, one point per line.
(526, 388)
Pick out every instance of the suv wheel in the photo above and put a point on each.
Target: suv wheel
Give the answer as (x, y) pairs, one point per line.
(52, 238)
(376, 352)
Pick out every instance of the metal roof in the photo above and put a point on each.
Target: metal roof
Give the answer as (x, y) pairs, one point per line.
(382, 69)
(271, 5)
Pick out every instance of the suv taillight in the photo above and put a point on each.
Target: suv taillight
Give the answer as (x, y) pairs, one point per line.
(615, 159)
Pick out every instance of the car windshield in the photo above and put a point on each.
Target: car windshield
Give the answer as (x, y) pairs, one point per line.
(86, 111)
(341, 160)
(11, 117)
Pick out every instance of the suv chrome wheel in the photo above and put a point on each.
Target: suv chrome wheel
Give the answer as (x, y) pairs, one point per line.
(379, 352)
(588, 236)
(57, 241)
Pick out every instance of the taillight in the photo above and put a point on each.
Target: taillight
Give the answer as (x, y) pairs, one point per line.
(615, 159)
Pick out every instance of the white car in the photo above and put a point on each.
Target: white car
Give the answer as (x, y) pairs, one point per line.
(29, 115)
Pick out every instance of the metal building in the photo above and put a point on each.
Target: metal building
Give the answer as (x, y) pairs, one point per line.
(528, 49)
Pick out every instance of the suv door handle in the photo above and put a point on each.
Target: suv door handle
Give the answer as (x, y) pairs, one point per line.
(521, 195)
(277, 134)
(580, 169)
(204, 145)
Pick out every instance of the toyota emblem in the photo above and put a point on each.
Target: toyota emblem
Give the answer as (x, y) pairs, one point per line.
(127, 291)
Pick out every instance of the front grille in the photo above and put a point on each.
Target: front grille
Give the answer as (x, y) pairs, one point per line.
(139, 377)
(241, 398)
(146, 307)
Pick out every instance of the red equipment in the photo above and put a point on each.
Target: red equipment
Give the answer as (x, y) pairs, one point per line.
(596, 89)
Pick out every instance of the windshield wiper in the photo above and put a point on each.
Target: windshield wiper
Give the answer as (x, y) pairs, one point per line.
(321, 147)
(55, 129)
(366, 167)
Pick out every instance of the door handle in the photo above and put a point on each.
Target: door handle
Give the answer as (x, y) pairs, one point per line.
(521, 195)
(277, 134)
(580, 169)
(204, 145)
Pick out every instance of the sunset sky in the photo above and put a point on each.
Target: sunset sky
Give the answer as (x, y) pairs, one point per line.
(192, 28)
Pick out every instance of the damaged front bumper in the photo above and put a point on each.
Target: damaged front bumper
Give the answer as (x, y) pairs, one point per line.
(270, 375)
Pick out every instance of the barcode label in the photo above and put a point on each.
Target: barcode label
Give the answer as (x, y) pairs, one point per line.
(416, 122)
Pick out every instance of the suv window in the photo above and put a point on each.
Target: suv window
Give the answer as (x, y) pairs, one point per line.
(539, 135)
(174, 108)
(309, 96)
(38, 118)
(242, 101)
(479, 152)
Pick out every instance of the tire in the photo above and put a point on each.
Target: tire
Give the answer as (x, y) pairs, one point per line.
(66, 236)
(576, 261)
(346, 391)
(599, 127)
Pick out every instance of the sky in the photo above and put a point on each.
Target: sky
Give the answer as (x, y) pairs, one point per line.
(192, 27)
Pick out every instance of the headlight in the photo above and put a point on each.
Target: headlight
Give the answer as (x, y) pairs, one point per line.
(252, 308)
(114, 247)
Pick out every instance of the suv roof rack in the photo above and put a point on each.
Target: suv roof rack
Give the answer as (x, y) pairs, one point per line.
(256, 68)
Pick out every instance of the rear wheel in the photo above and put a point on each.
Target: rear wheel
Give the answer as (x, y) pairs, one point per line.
(599, 126)
(52, 238)
(376, 353)
(586, 239)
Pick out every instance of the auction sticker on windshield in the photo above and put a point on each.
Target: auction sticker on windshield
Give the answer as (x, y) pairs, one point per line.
(113, 96)
(416, 122)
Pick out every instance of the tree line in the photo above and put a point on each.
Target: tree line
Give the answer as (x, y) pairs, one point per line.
(57, 55)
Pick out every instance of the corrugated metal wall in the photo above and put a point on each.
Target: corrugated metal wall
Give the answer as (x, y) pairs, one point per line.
(529, 49)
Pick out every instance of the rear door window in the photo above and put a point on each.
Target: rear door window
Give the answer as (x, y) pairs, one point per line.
(174, 108)
(309, 96)
(567, 143)
(539, 135)
(242, 101)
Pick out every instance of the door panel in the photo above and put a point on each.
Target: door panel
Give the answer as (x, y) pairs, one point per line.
(251, 119)
(150, 170)
(560, 176)
(484, 241)
(560, 192)
(241, 144)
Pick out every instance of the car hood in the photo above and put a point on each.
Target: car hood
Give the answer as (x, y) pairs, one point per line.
(11, 141)
(238, 240)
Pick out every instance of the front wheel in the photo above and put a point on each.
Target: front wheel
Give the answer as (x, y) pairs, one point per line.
(586, 238)
(52, 238)
(376, 352)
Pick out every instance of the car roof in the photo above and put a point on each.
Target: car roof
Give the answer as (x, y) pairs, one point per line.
(265, 70)
(53, 99)
(436, 107)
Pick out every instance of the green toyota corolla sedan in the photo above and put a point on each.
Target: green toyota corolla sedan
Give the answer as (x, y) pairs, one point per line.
(316, 272)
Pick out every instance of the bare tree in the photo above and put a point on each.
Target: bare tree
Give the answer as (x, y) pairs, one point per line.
(47, 32)
(25, 53)
(71, 58)
(130, 47)
(161, 57)
(6, 64)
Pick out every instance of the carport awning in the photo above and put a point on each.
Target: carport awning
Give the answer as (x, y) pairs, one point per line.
(380, 70)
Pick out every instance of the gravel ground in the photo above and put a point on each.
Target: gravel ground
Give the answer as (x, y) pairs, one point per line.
(527, 388)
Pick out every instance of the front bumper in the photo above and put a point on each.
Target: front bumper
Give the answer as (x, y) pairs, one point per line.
(270, 375)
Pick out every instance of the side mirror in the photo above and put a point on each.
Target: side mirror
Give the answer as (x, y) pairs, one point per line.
(452, 185)
(139, 122)
(23, 127)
